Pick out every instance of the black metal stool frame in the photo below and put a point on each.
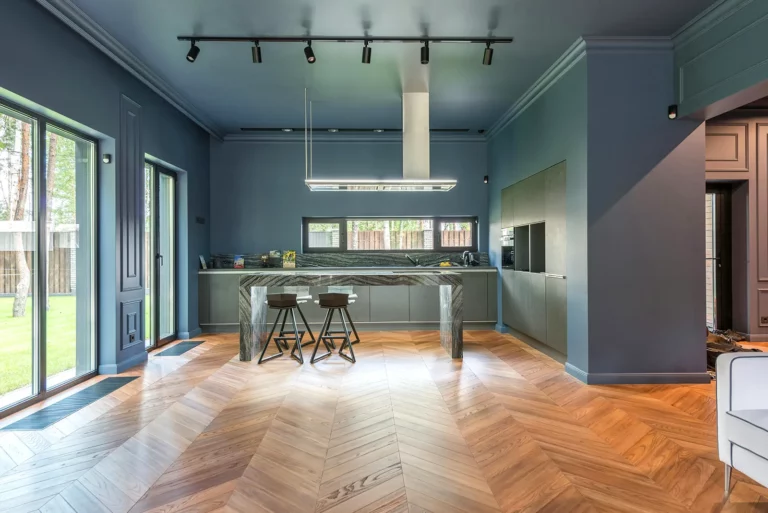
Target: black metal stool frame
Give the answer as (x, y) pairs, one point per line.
(327, 337)
(282, 339)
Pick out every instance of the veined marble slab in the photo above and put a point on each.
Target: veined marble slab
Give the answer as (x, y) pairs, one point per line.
(253, 295)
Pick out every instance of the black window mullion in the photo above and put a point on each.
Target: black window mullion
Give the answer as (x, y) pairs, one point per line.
(40, 271)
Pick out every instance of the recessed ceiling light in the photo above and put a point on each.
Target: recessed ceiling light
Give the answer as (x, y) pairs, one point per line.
(333, 130)
(378, 130)
(287, 129)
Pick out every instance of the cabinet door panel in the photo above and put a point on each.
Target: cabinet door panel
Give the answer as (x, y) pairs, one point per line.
(536, 198)
(493, 298)
(475, 296)
(556, 219)
(537, 307)
(425, 303)
(507, 293)
(557, 319)
(390, 304)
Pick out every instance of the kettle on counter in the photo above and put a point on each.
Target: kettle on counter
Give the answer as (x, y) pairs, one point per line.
(468, 258)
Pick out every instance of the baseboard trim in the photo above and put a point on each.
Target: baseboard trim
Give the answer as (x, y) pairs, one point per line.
(133, 361)
(186, 335)
(637, 378)
(534, 343)
(576, 373)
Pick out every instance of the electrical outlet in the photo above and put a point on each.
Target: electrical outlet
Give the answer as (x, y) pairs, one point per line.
(764, 320)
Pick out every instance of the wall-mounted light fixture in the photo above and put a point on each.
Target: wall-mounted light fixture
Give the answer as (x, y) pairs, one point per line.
(485, 179)
(106, 158)
(672, 112)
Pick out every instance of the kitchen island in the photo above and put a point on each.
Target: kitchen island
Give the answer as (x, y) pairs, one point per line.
(253, 293)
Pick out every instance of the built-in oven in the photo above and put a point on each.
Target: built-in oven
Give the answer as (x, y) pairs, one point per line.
(508, 247)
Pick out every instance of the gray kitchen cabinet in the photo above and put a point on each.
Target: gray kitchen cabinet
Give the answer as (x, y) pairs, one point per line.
(557, 318)
(537, 307)
(390, 304)
(223, 296)
(507, 216)
(517, 197)
(425, 303)
(535, 198)
(555, 178)
(493, 297)
(475, 296)
(507, 295)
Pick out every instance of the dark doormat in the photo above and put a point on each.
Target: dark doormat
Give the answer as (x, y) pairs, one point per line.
(49, 415)
(180, 348)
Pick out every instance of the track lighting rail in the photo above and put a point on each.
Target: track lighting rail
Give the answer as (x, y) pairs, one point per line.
(340, 39)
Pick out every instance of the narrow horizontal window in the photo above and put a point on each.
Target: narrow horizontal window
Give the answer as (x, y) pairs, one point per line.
(389, 234)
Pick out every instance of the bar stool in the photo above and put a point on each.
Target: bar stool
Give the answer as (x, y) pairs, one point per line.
(349, 291)
(334, 302)
(285, 304)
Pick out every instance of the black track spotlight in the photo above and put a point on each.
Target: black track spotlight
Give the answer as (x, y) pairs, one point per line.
(672, 112)
(308, 53)
(193, 52)
(425, 53)
(487, 54)
(256, 53)
(485, 179)
(366, 53)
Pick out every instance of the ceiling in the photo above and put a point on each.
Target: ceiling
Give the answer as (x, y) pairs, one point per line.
(227, 88)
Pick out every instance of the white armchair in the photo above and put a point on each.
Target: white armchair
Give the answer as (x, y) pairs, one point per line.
(742, 415)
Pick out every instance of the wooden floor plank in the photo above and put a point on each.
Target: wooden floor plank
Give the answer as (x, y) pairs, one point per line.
(406, 429)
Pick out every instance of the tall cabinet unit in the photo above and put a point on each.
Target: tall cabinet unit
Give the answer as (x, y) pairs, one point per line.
(534, 289)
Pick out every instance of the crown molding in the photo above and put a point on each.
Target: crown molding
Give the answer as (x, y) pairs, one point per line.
(86, 27)
(706, 20)
(577, 51)
(562, 65)
(346, 138)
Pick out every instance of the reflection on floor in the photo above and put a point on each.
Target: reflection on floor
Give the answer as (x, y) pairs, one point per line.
(404, 429)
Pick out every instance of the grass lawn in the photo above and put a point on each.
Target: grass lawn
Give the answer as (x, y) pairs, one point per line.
(16, 341)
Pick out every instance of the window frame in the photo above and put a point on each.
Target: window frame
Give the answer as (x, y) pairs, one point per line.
(436, 242)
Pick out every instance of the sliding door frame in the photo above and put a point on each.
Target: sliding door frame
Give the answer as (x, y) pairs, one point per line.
(40, 391)
(723, 266)
(154, 263)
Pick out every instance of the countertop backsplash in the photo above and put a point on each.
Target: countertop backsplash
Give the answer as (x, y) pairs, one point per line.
(253, 260)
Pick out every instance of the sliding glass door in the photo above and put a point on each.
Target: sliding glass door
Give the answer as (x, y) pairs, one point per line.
(47, 257)
(160, 255)
(19, 348)
(69, 315)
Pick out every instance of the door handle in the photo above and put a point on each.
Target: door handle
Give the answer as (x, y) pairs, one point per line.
(159, 257)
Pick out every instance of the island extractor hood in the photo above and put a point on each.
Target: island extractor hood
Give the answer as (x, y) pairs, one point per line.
(415, 157)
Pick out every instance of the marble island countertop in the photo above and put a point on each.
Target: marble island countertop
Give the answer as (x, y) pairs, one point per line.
(373, 270)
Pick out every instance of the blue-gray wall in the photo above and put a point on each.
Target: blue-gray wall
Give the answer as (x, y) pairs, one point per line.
(635, 182)
(646, 184)
(258, 196)
(553, 129)
(49, 68)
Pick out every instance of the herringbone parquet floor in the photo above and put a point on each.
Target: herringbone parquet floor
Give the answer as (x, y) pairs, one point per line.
(406, 429)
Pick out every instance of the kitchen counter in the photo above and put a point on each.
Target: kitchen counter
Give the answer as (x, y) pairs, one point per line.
(458, 269)
(252, 295)
(414, 307)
